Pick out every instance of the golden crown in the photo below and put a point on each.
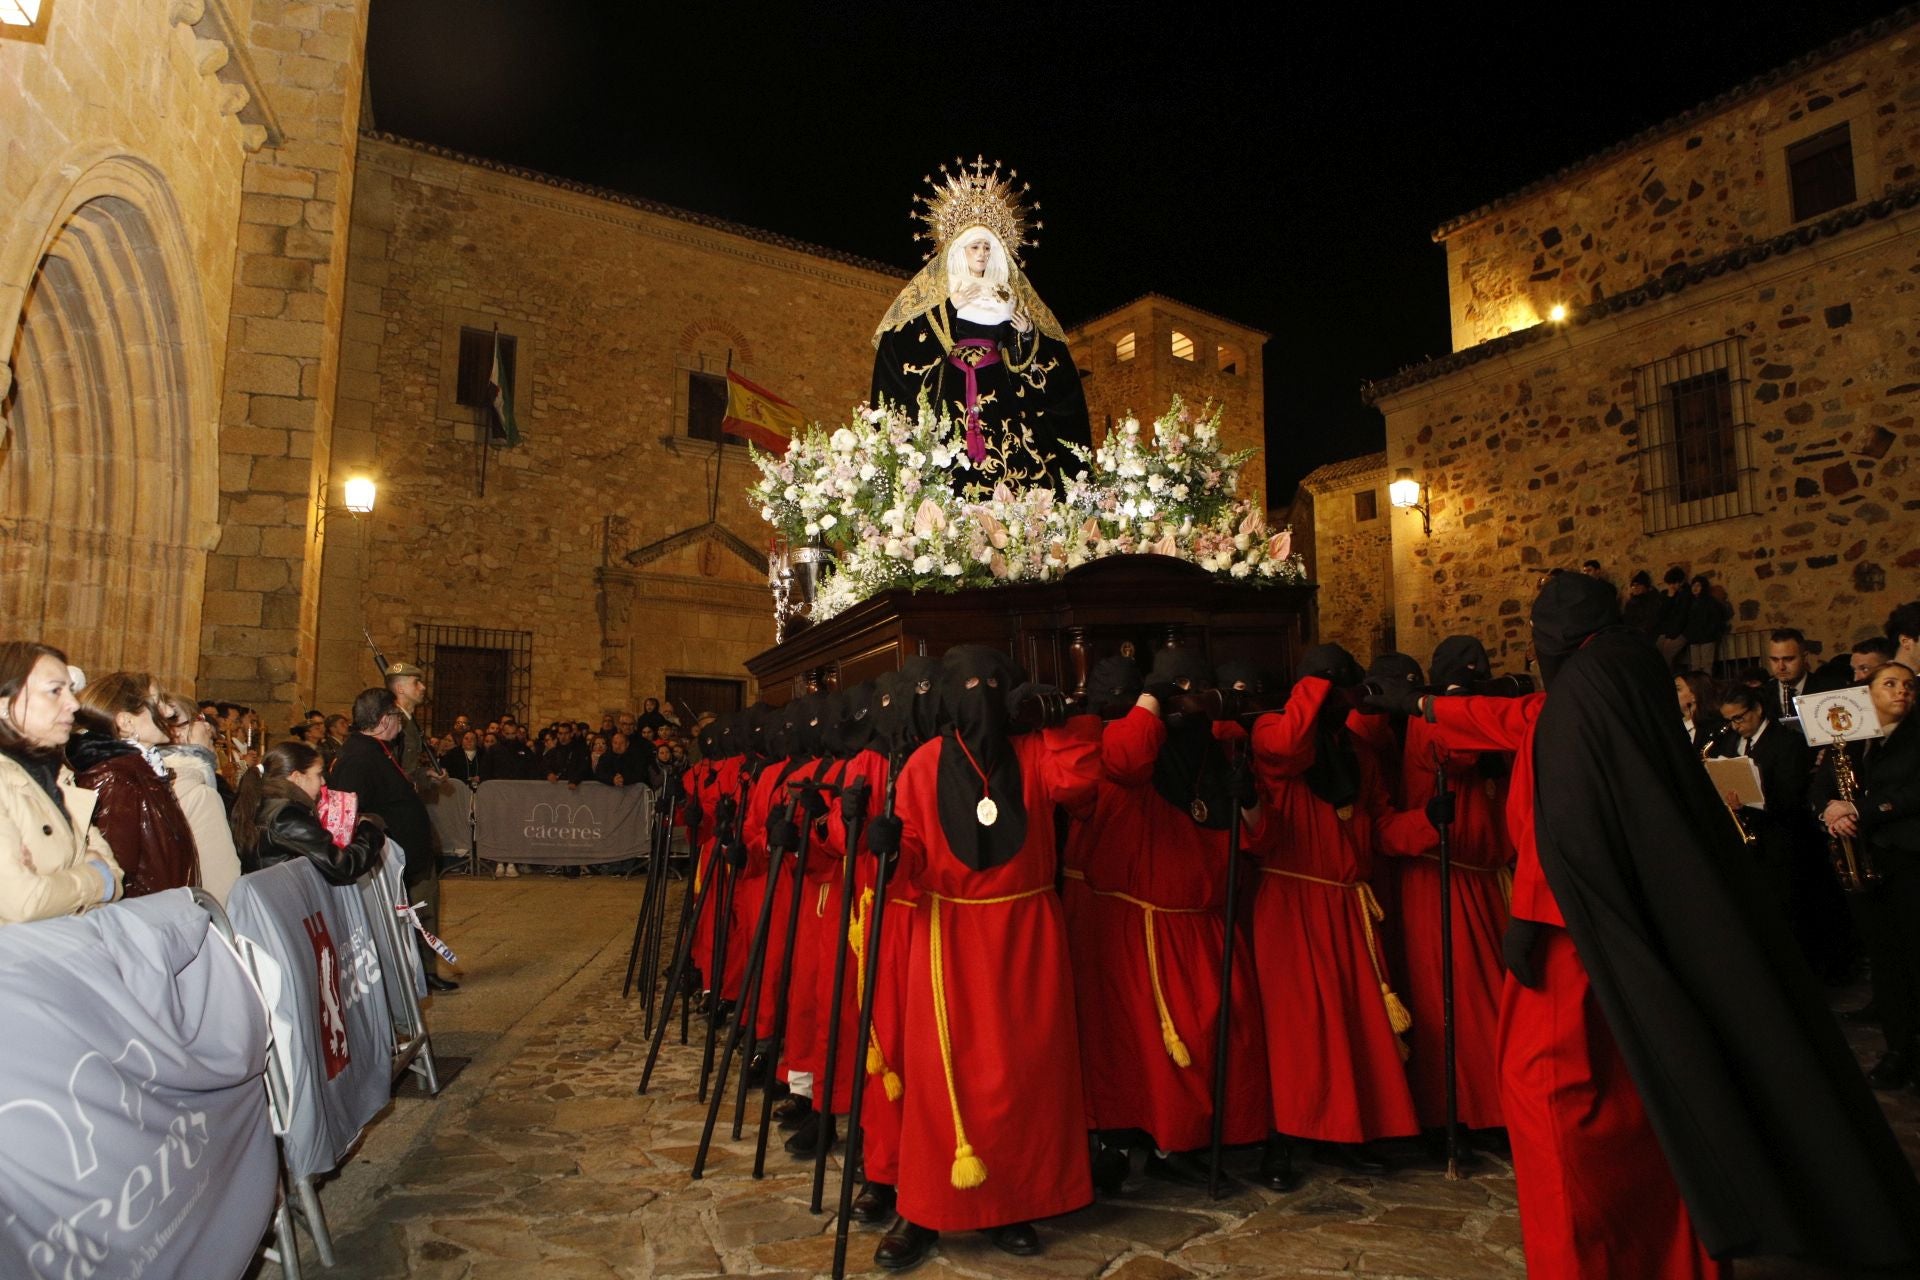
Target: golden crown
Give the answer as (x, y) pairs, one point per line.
(976, 195)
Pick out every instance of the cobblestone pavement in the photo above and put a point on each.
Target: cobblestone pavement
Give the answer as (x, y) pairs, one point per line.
(540, 1161)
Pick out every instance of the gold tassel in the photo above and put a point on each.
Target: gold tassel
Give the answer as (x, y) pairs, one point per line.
(968, 1169)
(891, 1083)
(876, 1061)
(1176, 1047)
(1397, 1015)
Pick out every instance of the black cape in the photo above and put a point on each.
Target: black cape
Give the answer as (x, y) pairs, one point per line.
(1774, 1139)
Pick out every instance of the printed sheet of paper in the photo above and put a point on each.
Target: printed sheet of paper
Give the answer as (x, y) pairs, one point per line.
(1740, 776)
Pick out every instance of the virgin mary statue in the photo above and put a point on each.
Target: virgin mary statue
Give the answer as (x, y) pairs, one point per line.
(970, 334)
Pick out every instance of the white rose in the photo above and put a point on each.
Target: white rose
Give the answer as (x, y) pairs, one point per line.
(1148, 506)
(1076, 558)
(916, 459)
(923, 564)
(1241, 541)
(895, 548)
(1156, 483)
(766, 513)
(868, 471)
(941, 458)
(843, 441)
(813, 527)
(951, 569)
(792, 493)
(1180, 492)
(1241, 569)
(829, 520)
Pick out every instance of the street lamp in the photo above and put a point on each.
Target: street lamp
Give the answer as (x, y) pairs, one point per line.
(1404, 493)
(358, 493)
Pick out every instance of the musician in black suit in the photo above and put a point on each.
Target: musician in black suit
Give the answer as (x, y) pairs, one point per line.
(1783, 760)
(1883, 819)
(1789, 664)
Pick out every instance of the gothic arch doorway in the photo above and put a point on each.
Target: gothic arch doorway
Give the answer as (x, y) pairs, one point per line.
(105, 464)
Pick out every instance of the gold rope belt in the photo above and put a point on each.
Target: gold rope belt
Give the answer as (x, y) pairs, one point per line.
(969, 1171)
(857, 940)
(1169, 1036)
(1370, 910)
(1500, 870)
(1074, 873)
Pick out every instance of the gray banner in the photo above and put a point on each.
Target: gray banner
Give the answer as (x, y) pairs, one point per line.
(553, 824)
(450, 806)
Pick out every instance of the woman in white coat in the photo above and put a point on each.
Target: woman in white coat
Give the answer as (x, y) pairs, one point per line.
(53, 862)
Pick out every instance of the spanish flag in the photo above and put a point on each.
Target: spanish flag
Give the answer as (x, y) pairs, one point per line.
(759, 415)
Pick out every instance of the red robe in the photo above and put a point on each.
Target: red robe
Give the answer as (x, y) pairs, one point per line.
(1597, 1197)
(804, 1047)
(1090, 828)
(1481, 855)
(1002, 1084)
(1335, 1063)
(1153, 989)
(707, 783)
(770, 794)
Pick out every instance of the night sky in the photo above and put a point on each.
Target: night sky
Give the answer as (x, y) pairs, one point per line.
(1282, 171)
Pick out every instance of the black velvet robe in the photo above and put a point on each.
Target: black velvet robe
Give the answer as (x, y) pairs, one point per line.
(1764, 1116)
(1031, 402)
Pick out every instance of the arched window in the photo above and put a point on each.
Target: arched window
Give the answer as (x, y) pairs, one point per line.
(1123, 347)
(1182, 346)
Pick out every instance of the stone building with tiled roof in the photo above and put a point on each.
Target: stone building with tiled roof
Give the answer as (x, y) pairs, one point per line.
(1342, 529)
(1696, 348)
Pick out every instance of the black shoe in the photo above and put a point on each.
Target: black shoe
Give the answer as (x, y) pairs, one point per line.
(1893, 1070)
(805, 1142)
(792, 1111)
(905, 1246)
(1180, 1168)
(1277, 1171)
(443, 985)
(1354, 1157)
(1111, 1165)
(1016, 1238)
(874, 1204)
(757, 1067)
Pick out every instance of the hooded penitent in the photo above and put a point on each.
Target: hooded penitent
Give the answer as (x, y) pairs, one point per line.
(1113, 686)
(1460, 661)
(983, 811)
(1772, 1135)
(1334, 775)
(1190, 773)
(852, 731)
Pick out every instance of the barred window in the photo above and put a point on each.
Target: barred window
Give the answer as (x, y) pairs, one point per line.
(1696, 455)
(1820, 172)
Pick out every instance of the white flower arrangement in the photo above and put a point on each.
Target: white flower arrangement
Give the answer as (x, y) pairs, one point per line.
(879, 491)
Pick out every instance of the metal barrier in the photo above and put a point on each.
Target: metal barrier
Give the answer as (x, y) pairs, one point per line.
(404, 981)
(285, 1249)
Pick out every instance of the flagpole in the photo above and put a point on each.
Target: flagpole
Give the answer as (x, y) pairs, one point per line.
(719, 458)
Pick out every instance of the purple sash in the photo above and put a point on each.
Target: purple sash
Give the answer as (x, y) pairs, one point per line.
(969, 355)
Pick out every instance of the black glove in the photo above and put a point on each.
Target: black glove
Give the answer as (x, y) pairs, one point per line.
(1394, 696)
(734, 850)
(1164, 692)
(883, 837)
(1036, 706)
(1333, 664)
(1517, 949)
(812, 806)
(1440, 809)
(723, 813)
(853, 802)
(782, 834)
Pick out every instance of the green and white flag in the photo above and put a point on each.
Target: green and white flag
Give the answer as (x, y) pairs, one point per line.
(500, 399)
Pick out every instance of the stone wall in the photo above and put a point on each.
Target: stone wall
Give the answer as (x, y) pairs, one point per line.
(1145, 385)
(1531, 456)
(128, 130)
(1348, 556)
(612, 301)
(1682, 194)
(276, 414)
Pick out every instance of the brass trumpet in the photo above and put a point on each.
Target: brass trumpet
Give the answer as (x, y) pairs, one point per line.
(1852, 864)
(1739, 824)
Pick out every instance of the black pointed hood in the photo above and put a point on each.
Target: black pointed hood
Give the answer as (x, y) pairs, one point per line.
(974, 683)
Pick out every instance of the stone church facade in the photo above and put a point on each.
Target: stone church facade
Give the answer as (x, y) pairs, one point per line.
(1731, 386)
